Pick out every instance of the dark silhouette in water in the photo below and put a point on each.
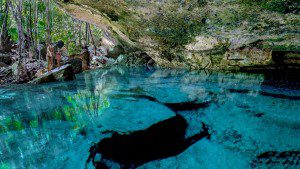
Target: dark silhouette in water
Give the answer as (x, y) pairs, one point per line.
(162, 140)
(176, 107)
(187, 106)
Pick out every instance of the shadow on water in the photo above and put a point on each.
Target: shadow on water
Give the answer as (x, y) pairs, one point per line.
(161, 140)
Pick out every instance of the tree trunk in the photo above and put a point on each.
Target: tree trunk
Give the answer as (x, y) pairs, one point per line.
(80, 35)
(87, 39)
(35, 41)
(30, 23)
(48, 21)
(17, 14)
(93, 41)
(1, 8)
(5, 44)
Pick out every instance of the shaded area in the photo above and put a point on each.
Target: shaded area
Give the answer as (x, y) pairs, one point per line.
(183, 106)
(162, 140)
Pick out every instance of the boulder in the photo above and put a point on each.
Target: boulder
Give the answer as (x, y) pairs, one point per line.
(84, 56)
(32, 66)
(120, 59)
(19, 72)
(116, 51)
(64, 73)
(101, 61)
(76, 65)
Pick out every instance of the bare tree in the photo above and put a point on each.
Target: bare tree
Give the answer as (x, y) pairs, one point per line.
(80, 33)
(92, 38)
(17, 14)
(5, 44)
(87, 38)
(35, 8)
(48, 15)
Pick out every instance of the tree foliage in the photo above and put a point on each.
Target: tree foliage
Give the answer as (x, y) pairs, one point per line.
(63, 27)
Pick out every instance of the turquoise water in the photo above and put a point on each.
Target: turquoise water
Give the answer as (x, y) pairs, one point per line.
(253, 119)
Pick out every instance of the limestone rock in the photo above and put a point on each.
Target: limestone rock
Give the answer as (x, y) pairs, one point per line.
(198, 61)
(64, 73)
(216, 27)
(202, 43)
(116, 52)
(247, 57)
(292, 58)
(237, 42)
(120, 59)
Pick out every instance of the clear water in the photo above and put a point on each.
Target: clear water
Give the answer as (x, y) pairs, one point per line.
(54, 125)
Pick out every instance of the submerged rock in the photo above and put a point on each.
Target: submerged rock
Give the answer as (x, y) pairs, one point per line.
(64, 73)
(270, 159)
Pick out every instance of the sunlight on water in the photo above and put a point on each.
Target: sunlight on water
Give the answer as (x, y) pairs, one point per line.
(54, 125)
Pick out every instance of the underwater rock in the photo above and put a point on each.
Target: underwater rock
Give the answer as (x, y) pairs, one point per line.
(285, 159)
(161, 140)
(64, 73)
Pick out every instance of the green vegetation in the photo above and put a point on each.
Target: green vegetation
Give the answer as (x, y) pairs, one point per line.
(80, 107)
(35, 21)
(281, 6)
(4, 166)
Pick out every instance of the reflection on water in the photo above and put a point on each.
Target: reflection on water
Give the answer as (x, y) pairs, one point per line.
(54, 125)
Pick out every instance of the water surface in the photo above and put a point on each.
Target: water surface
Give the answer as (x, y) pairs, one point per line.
(253, 119)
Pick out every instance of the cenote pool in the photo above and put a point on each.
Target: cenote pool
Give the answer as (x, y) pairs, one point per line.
(157, 119)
